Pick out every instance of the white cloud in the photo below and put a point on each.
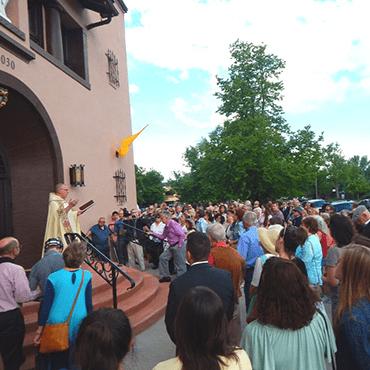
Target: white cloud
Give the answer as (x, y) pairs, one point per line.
(133, 89)
(183, 112)
(166, 152)
(318, 40)
(315, 38)
(365, 84)
(184, 75)
(172, 79)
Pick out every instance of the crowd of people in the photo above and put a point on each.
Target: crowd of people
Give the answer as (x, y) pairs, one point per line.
(284, 296)
(287, 259)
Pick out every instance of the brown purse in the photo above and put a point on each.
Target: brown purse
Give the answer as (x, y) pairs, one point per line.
(55, 337)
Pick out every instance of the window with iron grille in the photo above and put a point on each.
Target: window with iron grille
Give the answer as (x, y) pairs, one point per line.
(120, 178)
(113, 73)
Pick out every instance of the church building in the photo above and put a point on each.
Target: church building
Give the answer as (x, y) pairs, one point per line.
(64, 109)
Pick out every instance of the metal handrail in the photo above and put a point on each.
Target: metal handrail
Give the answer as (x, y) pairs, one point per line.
(134, 228)
(102, 265)
(138, 239)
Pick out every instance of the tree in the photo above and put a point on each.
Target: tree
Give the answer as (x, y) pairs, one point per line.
(334, 169)
(184, 185)
(149, 186)
(351, 176)
(253, 153)
(356, 181)
(304, 158)
(241, 157)
(253, 88)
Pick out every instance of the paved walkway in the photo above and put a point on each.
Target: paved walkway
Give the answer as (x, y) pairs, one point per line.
(154, 345)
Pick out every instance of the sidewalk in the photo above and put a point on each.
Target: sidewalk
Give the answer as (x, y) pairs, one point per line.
(151, 346)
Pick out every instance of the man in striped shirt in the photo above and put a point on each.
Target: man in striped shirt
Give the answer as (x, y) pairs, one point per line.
(14, 289)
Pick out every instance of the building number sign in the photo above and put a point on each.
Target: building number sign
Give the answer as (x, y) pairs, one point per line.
(7, 62)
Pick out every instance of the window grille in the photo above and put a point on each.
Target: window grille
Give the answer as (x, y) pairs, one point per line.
(120, 187)
(113, 73)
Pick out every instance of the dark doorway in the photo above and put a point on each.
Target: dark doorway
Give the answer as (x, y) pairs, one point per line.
(30, 166)
(6, 224)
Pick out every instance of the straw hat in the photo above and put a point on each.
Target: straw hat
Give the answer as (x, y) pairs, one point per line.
(268, 238)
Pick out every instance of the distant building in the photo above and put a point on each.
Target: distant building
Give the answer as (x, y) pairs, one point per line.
(170, 196)
(64, 101)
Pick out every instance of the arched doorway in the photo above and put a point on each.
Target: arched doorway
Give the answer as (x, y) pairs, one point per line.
(32, 165)
(6, 223)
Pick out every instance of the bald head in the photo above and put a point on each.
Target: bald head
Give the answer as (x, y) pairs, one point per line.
(9, 246)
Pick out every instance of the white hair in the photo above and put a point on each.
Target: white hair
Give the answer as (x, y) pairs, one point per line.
(250, 218)
(216, 232)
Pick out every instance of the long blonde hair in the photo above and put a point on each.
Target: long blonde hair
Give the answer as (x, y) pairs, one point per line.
(355, 260)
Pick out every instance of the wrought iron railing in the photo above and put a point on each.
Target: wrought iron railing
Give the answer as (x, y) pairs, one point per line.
(143, 239)
(101, 264)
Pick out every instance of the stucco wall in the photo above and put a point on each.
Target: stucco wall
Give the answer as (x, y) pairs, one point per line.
(89, 123)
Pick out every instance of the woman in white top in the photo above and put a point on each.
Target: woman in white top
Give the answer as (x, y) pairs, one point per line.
(229, 225)
(182, 220)
(201, 332)
(265, 216)
(157, 227)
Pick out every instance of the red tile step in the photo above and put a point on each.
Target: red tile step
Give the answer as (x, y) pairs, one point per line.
(149, 313)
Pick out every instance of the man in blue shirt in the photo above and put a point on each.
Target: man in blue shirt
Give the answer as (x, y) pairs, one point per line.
(249, 248)
(51, 262)
(100, 236)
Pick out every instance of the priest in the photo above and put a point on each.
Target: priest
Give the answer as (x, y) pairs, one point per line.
(62, 218)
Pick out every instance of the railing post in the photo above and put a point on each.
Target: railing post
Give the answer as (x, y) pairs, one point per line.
(114, 285)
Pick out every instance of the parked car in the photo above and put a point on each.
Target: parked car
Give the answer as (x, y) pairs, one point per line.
(316, 203)
(365, 202)
(339, 205)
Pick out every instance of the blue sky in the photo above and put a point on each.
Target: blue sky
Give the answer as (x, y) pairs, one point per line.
(175, 50)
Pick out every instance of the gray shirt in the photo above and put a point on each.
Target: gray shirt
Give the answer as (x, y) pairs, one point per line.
(331, 261)
(51, 262)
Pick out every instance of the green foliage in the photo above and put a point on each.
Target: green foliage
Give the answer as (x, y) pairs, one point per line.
(184, 184)
(149, 186)
(253, 88)
(352, 175)
(304, 158)
(254, 153)
(357, 182)
(244, 159)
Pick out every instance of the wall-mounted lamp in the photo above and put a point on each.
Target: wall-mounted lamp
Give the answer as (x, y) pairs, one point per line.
(3, 97)
(76, 175)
